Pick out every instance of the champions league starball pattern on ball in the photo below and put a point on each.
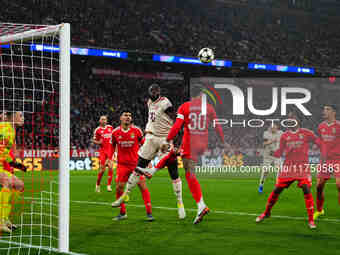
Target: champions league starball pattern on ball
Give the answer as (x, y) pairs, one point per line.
(206, 55)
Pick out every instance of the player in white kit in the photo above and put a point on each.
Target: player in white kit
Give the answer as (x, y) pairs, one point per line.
(271, 142)
(160, 121)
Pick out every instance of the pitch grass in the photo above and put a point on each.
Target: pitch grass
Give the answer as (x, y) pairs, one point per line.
(229, 229)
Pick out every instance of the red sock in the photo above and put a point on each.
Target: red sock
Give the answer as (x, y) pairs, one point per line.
(194, 186)
(320, 198)
(271, 202)
(147, 200)
(110, 176)
(99, 178)
(309, 206)
(122, 206)
(165, 160)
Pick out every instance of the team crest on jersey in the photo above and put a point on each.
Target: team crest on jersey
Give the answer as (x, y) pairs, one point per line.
(323, 130)
(334, 130)
(301, 136)
(133, 135)
(120, 137)
(288, 137)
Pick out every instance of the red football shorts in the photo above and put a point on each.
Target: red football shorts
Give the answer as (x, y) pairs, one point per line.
(192, 150)
(123, 173)
(286, 182)
(104, 155)
(331, 167)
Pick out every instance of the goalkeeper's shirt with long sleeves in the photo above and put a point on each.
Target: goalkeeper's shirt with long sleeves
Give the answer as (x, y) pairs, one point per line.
(7, 139)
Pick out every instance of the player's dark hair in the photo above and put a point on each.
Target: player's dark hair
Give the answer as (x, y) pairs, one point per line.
(154, 86)
(124, 111)
(296, 115)
(333, 106)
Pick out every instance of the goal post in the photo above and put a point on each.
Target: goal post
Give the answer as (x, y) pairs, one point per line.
(32, 80)
(64, 138)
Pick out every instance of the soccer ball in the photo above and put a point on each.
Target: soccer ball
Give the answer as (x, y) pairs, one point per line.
(206, 55)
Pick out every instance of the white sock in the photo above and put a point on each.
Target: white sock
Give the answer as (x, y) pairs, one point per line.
(263, 176)
(201, 205)
(177, 186)
(132, 182)
(152, 170)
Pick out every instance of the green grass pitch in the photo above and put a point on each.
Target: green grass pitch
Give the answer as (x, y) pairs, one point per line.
(230, 228)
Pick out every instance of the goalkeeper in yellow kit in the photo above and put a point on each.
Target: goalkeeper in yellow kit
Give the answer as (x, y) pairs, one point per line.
(12, 186)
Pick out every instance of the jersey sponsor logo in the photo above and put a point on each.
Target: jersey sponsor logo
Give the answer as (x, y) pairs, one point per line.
(107, 135)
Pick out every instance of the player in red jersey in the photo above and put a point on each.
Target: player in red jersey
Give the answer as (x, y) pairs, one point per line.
(329, 133)
(194, 143)
(102, 137)
(294, 145)
(127, 139)
(160, 119)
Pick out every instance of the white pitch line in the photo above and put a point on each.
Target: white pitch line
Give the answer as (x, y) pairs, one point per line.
(212, 211)
(23, 245)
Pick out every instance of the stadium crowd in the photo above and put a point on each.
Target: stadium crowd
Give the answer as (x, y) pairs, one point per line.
(245, 33)
(112, 95)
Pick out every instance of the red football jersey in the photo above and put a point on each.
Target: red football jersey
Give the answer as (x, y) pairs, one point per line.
(294, 145)
(330, 140)
(127, 142)
(104, 134)
(195, 125)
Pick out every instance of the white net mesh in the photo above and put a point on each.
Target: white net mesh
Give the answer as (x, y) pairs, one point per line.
(29, 77)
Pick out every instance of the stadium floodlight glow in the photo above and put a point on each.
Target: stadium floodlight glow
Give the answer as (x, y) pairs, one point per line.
(32, 81)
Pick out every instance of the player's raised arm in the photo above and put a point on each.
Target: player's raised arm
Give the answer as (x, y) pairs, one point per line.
(178, 124)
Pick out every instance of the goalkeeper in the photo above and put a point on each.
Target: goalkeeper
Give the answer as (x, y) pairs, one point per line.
(12, 186)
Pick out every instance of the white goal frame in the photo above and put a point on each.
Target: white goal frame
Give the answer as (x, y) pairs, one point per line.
(64, 120)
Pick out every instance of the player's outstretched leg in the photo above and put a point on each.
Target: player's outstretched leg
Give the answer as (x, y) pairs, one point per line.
(119, 191)
(172, 164)
(320, 197)
(131, 184)
(109, 179)
(272, 199)
(195, 189)
(5, 195)
(310, 209)
(146, 198)
(163, 162)
(264, 174)
(99, 178)
(12, 188)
